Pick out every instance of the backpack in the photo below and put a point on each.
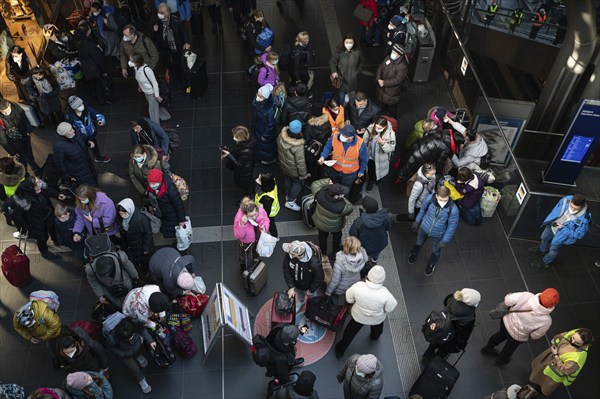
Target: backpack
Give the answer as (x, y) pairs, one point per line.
(265, 37)
(97, 245)
(486, 160)
(90, 327)
(181, 185)
(261, 350)
(393, 122)
(155, 222)
(164, 90)
(50, 298)
(111, 322)
(118, 288)
(284, 304)
(285, 57)
(255, 68)
(174, 139)
(183, 343)
(438, 328)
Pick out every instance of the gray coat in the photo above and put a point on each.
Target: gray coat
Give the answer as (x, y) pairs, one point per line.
(421, 189)
(347, 65)
(380, 153)
(346, 271)
(123, 267)
(165, 266)
(356, 387)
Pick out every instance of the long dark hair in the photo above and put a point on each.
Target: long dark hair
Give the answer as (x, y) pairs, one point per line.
(340, 47)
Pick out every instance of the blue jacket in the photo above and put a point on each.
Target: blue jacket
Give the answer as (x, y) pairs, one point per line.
(64, 232)
(372, 230)
(100, 388)
(363, 158)
(263, 128)
(86, 124)
(157, 134)
(72, 159)
(440, 224)
(571, 231)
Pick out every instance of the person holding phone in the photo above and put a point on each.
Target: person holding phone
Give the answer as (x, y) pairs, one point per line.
(95, 212)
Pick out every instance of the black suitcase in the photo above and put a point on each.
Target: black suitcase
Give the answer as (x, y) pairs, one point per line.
(323, 311)
(308, 209)
(437, 380)
(196, 79)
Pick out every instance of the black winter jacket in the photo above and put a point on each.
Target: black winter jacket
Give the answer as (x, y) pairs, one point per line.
(463, 319)
(282, 358)
(90, 355)
(88, 49)
(138, 241)
(301, 58)
(263, 129)
(368, 116)
(303, 275)
(297, 107)
(242, 163)
(17, 119)
(171, 208)
(126, 348)
(35, 215)
(72, 159)
(179, 34)
(317, 128)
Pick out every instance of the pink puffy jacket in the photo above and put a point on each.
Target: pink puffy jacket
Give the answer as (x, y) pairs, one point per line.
(524, 326)
(246, 233)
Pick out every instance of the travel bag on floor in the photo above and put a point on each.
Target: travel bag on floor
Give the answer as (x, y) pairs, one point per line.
(163, 355)
(32, 115)
(437, 380)
(15, 265)
(183, 343)
(323, 311)
(283, 309)
(255, 277)
(192, 304)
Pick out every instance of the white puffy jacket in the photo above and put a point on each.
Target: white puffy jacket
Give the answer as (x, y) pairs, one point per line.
(371, 302)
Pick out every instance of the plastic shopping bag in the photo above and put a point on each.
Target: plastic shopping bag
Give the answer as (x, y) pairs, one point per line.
(184, 235)
(266, 245)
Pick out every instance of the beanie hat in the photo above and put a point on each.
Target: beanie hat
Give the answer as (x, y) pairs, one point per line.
(266, 90)
(549, 298)
(348, 131)
(376, 274)
(185, 280)
(367, 363)
(295, 126)
(468, 296)
(75, 102)
(294, 248)
(305, 383)
(78, 380)
(370, 204)
(158, 302)
(396, 20)
(289, 334)
(398, 49)
(63, 128)
(155, 176)
(104, 265)
(337, 189)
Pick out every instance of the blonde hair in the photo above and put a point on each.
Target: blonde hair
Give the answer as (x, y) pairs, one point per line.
(351, 245)
(240, 133)
(272, 56)
(301, 37)
(247, 205)
(60, 209)
(428, 124)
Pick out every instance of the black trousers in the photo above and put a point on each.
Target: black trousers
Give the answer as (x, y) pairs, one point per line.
(23, 149)
(501, 336)
(336, 241)
(272, 227)
(350, 332)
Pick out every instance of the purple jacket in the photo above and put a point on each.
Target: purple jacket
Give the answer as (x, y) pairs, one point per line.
(105, 209)
(264, 78)
(472, 190)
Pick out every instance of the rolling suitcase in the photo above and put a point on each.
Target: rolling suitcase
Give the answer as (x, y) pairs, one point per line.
(437, 380)
(308, 209)
(280, 315)
(196, 79)
(256, 273)
(31, 114)
(15, 265)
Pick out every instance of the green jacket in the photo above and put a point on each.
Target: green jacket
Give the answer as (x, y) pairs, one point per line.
(324, 219)
(348, 65)
(291, 155)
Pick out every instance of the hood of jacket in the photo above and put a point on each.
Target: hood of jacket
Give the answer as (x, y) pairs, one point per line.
(127, 203)
(152, 159)
(475, 182)
(461, 312)
(536, 307)
(375, 220)
(298, 102)
(424, 179)
(476, 149)
(288, 141)
(318, 120)
(15, 178)
(352, 262)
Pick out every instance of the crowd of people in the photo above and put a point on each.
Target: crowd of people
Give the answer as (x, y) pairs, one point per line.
(331, 156)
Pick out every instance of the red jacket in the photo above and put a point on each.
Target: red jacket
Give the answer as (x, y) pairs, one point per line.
(372, 5)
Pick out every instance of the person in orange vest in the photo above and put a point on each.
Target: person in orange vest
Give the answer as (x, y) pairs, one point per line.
(538, 21)
(350, 153)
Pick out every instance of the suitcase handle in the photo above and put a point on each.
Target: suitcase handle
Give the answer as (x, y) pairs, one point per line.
(461, 355)
(24, 245)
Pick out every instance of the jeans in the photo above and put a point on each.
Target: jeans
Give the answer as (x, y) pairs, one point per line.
(346, 180)
(549, 250)
(336, 241)
(435, 251)
(472, 216)
(134, 368)
(343, 98)
(293, 188)
(350, 332)
(501, 336)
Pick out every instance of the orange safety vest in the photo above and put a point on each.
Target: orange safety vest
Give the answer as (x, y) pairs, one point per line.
(347, 162)
(336, 123)
(539, 19)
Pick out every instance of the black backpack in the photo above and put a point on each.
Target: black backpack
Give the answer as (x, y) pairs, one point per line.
(284, 304)
(118, 289)
(438, 328)
(261, 350)
(285, 57)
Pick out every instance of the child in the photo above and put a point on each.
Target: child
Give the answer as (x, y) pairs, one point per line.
(267, 197)
(63, 224)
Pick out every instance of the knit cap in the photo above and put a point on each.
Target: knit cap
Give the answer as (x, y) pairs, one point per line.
(337, 189)
(348, 131)
(295, 126)
(294, 248)
(468, 296)
(370, 204)
(185, 280)
(155, 176)
(266, 90)
(75, 102)
(367, 363)
(305, 384)
(549, 298)
(63, 128)
(376, 274)
(78, 380)
(398, 49)
(289, 334)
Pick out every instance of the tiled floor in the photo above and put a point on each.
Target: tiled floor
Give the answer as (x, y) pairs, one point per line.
(481, 257)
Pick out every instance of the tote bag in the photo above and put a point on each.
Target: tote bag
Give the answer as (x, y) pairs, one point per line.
(266, 245)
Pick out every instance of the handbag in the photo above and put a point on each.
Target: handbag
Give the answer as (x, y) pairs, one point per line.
(501, 310)
(336, 81)
(199, 286)
(266, 245)
(155, 222)
(183, 343)
(362, 13)
(192, 304)
(323, 311)
(184, 235)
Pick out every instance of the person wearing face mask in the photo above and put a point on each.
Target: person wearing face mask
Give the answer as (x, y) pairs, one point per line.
(380, 140)
(360, 112)
(172, 39)
(423, 184)
(145, 303)
(420, 130)
(568, 222)
(438, 220)
(472, 152)
(345, 64)
(173, 272)
(471, 187)
(102, 18)
(165, 201)
(282, 356)
(350, 153)
(148, 84)
(15, 134)
(144, 131)
(64, 223)
(290, 145)
(268, 198)
(75, 350)
(144, 158)
(134, 42)
(335, 114)
(88, 384)
(371, 228)
(61, 46)
(17, 70)
(362, 376)
(240, 159)
(562, 362)
(269, 72)
(86, 121)
(250, 220)
(263, 125)
(390, 75)
(96, 213)
(36, 322)
(71, 156)
(33, 212)
(302, 270)
(43, 90)
(258, 33)
(297, 106)
(302, 58)
(137, 238)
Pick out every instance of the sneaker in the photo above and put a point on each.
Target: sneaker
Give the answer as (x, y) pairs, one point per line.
(271, 162)
(539, 265)
(18, 235)
(299, 361)
(597, 263)
(429, 270)
(142, 361)
(489, 351)
(293, 206)
(412, 258)
(103, 159)
(145, 387)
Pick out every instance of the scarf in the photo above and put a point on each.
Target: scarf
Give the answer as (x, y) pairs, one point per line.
(168, 35)
(43, 86)
(161, 190)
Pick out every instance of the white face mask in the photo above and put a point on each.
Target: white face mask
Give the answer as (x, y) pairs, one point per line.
(70, 353)
(131, 64)
(391, 27)
(126, 39)
(7, 111)
(259, 99)
(394, 56)
(81, 108)
(379, 129)
(17, 58)
(572, 212)
(154, 186)
(335, 111)
(343, 138)
(348, 46)
(360, 374)
(161, 17)
(275, 62)
(95, 14)
(442, 203)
